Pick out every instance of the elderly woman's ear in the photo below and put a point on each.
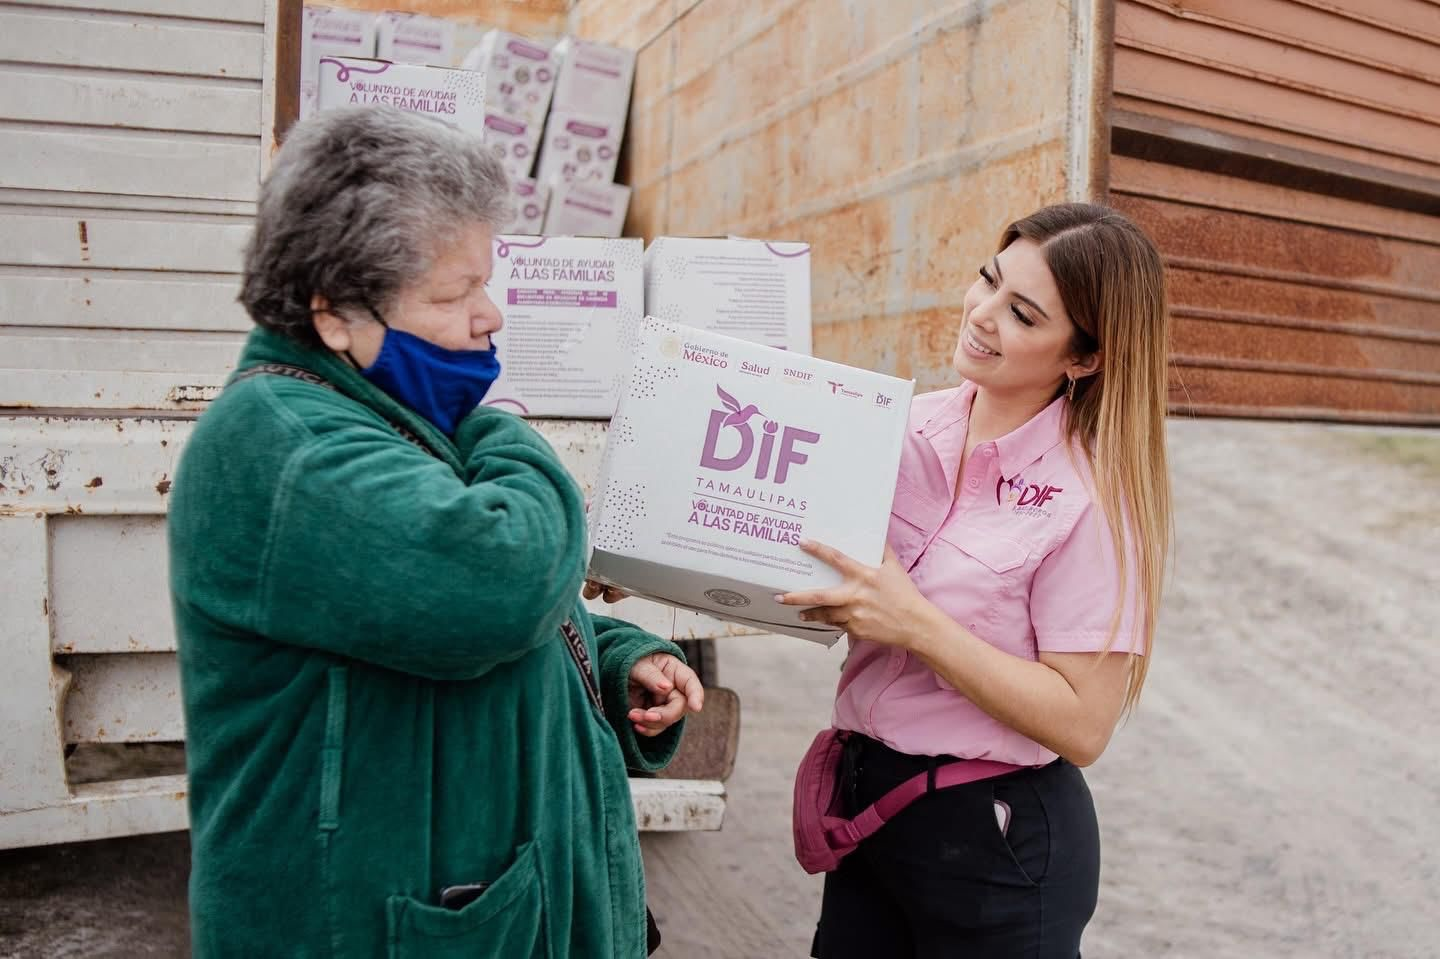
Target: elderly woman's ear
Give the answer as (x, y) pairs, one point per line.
(334, 329)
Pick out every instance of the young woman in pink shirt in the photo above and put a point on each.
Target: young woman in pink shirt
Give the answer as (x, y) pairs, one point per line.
(1013, 615)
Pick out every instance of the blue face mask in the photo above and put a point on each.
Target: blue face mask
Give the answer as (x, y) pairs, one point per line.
(441, 385)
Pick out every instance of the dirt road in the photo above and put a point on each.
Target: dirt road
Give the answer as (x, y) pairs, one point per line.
(1275, 796)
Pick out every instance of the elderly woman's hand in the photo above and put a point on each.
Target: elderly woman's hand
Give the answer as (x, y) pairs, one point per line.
(612, 594)
(662, 690)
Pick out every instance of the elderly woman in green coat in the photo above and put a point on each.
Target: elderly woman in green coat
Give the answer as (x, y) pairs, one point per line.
(406, 735)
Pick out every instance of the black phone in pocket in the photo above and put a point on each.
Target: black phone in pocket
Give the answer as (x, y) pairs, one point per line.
(462, 895)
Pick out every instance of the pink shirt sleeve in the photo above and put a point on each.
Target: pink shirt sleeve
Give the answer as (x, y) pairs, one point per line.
(1075, 589)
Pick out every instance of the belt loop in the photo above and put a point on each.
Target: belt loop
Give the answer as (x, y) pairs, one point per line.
(930, 766)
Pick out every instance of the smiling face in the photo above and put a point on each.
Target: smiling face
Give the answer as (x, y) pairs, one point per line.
(1015, 337)
(448, 305)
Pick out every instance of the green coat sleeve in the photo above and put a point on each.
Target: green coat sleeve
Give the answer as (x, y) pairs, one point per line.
(380, 552)
(621, 645)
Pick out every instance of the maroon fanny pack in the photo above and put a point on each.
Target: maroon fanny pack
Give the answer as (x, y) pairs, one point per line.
(823, 836)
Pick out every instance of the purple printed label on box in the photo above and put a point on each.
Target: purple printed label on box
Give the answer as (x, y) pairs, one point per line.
(522, 49)
(456, 96)
(596, 299)
(572, 307)
(504, 125)
(592, 130)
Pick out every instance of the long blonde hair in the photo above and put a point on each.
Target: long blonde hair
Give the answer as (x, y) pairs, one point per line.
(1112, 283)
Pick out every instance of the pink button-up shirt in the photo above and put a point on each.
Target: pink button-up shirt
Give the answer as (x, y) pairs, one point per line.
(1022, 557)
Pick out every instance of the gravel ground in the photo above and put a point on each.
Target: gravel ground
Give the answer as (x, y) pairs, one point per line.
(1274, 797)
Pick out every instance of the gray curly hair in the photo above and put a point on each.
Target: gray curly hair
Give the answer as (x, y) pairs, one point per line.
(357, 205)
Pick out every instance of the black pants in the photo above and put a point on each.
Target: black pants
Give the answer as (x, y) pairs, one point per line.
(941, 880)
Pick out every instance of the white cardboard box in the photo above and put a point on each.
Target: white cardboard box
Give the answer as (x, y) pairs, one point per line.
(513, 141)
(572, 307)
(328, 31)
(412, 38)
(579, 148)
(531, 198)
(587, 209)
(519, 75)
(456, 96)
(594, 80)
(722, 455)
(755, 289)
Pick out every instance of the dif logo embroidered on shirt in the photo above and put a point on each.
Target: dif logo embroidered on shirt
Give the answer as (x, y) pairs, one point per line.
(1026, 499)
(730, 429)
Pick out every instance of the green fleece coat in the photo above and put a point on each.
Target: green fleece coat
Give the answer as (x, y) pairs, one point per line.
(378, 699)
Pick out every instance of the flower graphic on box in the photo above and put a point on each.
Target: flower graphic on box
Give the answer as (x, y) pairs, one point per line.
(739, 415)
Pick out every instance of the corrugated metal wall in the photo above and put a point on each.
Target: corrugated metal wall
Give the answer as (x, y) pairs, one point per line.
(130, 156)
(129, 163)
(541, 19)
(897, 138)
(1286, 155)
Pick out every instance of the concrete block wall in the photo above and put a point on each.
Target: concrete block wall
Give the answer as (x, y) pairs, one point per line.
(898, 138)
(542, 19)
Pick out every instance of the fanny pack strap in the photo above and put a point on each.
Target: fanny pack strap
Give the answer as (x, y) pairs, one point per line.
(878, 813)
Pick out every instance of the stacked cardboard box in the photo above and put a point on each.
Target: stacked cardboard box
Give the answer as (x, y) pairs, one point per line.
(411, 38)
(756, 290)
(519, 79)
(455, 96)
(581, 147)
(330, 32)
(532, 198)
(572, 306)
(723, 455)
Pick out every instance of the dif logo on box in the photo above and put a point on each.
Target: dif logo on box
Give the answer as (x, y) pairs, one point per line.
(731, 423)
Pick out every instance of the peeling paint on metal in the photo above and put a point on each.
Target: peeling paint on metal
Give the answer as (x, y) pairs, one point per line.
(192, 394)
(52, 463)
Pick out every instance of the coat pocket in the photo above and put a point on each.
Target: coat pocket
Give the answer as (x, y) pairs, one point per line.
(507, 921)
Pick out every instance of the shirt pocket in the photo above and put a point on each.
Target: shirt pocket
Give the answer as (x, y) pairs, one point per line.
(508, 920)
(912, 519)
(993, 571)
(998, 555)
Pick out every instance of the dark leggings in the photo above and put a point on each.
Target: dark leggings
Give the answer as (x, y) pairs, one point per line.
(941, 880)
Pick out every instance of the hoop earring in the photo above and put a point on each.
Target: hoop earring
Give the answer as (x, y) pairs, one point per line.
(1070, 389)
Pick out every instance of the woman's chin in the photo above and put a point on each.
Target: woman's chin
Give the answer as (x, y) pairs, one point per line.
(966, 367)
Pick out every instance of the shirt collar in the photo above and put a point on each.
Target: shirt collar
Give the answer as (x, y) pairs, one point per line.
(948, 427)
(1021, 447)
